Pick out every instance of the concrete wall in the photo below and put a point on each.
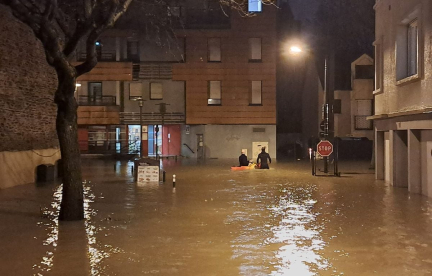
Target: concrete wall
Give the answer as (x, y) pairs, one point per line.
(342, 121)
(172, 50)
(19, 167)
(412, 93)
(426, 162)
(227, 141)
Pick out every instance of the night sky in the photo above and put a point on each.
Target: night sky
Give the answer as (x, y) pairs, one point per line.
(304, 10)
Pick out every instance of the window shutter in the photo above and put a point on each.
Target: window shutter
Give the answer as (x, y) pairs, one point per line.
(156, 91)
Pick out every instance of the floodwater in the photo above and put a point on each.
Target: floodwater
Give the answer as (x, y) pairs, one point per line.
(280, 221)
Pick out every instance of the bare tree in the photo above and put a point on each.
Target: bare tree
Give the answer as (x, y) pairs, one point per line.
(60, 26)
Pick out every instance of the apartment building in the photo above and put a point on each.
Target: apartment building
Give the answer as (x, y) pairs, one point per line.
(210, 92)
(131, 87)
(403, 98)
(230, 84)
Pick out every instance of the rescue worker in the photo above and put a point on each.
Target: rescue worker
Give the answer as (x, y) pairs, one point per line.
(263, 156)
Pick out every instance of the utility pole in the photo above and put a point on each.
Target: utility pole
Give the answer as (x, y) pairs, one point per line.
(328, 105)
(140, 102)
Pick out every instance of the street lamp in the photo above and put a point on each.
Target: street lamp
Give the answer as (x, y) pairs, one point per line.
(328, 112)
(140, 102)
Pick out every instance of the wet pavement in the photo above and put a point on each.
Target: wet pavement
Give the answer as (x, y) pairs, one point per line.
(280, 221)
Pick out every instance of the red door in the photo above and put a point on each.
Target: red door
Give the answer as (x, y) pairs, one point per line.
(83, 139)
(171, 140)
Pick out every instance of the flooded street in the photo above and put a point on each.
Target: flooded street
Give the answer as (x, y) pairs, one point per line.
(280, 221)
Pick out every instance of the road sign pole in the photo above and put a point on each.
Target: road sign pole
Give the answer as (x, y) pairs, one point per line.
(325, 149)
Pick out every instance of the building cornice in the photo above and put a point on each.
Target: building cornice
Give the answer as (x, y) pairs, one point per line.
(400, 114)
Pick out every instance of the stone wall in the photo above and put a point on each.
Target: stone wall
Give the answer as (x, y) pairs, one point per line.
(27, 86)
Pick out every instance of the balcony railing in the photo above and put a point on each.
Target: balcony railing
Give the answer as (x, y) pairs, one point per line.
(361, 123)
(151, 118)
(104, 56)
(109, 146)
(155, 71)
(96, 100)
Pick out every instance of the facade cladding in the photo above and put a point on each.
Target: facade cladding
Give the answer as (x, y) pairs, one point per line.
(403, 102)
(202, 93)
(27, 119)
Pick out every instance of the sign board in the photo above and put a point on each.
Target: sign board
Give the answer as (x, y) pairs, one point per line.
(322, 125)
(325, 148)
(148, 174)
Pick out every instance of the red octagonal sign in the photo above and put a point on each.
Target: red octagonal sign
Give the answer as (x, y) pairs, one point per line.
(325, 148)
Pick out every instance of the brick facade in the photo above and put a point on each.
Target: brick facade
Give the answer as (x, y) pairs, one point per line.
(234, 71)
(27, 86)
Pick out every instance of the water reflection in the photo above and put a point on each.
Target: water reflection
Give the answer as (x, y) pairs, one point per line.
(52, 226)
(299, 235)
(97, 252)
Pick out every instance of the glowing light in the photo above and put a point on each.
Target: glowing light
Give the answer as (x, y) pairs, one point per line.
(78, 84)
(296, 50)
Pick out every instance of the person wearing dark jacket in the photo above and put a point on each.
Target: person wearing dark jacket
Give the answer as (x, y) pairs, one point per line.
(243, 159)
(263, 156)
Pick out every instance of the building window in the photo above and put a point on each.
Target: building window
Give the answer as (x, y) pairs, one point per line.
(95, 97)
(364, 109)
(133, 51)
(94, 91)
(156, 91)
(364, 72)
(407, 50)
(255, 5)
(412, 47)
(214, 50)
(256, 93)
(135, 90)
(214, 93)
(254, 49)
(379, 67)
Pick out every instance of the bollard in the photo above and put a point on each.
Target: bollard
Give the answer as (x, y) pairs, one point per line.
(163, 176)
(132, 168)
(176, 158)
(174, 180)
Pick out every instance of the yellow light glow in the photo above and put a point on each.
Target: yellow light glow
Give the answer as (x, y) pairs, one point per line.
(78, 84)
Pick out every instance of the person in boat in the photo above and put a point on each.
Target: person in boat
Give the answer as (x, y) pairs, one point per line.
(243, 159)
(263, 157)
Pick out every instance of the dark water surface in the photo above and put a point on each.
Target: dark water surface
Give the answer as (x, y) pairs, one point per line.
(280, 221)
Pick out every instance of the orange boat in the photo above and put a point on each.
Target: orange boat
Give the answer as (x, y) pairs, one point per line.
(242, 168)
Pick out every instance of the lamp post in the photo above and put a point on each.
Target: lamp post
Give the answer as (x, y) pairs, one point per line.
(140, 102)
(162, 111)
(328, 100)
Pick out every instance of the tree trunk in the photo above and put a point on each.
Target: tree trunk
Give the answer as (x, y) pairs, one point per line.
(72, 205)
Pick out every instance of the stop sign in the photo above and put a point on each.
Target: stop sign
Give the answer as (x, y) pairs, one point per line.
(325, 148)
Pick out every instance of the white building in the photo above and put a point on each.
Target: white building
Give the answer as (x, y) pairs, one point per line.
(352, 107)
(403, 94)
